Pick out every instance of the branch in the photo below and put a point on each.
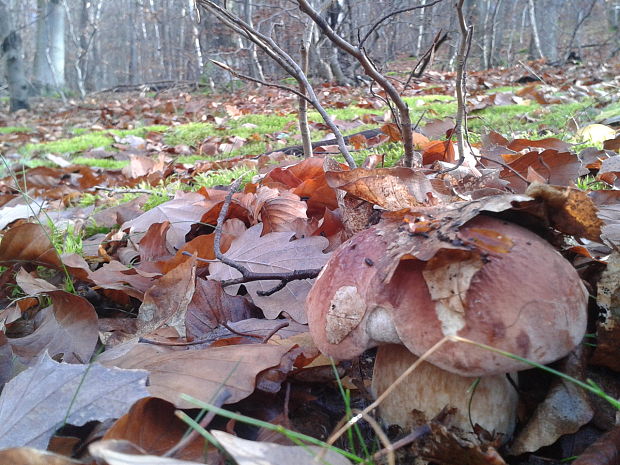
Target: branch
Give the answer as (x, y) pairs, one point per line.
(225, 67)
(372, 72)
(246, 274)
(394, 13)
(461, 60)
(272, 49)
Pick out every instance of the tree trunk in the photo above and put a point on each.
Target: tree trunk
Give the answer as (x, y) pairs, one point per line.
(10, 49)
(49, 60)
(18, 85)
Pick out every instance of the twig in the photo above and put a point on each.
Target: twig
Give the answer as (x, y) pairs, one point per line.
(421, 65)
(273, 50)
(531, 70)
(218, 228)
(270, 334)
(372, 72)
(127, 191)
(417, 433)
(186, 440)
(394, 13)
(461, 60)
(248, 275)
(239, 333)
(224, 66)
(195, 342)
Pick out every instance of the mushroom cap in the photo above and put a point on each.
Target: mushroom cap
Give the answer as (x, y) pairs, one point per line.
(528, 301)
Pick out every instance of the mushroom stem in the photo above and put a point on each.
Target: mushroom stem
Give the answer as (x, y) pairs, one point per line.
(429, 389)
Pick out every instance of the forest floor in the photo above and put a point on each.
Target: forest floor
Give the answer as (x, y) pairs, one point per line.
(108, 214)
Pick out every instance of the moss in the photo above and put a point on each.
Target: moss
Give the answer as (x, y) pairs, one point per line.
(70, 145)
(100, 162)
(87, 140)
(224, 177)
(15, 130)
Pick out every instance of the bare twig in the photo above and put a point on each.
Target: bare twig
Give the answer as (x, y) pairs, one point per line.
(126, 191)
(394, 13)
(421, 65)
(248, 275)
(372, 72)
(461, 60)
(417, 433)
(531, 70)
(269, 335)
(224, 66)
(186, 440)
(273, 50)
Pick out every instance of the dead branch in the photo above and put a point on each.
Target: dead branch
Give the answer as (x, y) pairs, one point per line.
(461, 60)
(273, 50)
(372, 72)
(246, 274)
(394, 13)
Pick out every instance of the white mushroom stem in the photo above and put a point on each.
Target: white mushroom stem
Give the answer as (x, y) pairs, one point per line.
(428, 389)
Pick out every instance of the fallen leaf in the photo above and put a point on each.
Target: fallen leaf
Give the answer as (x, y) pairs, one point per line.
(267, 453)
(165, 303)
(80, 393)
(181, 212)
(199, 373)
(120, 452)
(604, 451)
(389, 188)
(30, 456)
(211, 306)
(566, 408)
(274, 253)
(152, 425)
(28, 242)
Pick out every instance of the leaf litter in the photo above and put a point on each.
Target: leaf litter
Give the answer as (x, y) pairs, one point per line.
(152, 295)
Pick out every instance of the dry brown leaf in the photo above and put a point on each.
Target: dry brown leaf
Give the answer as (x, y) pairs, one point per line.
(165, 303)
(182, 211)
(274, 253)
(569, 210)
(30, 456)
(211, 306)
(557, 168)
(390, 188)
(152, 425)
(200, 373)
(605, 451)
(28, 242)
(68, 326)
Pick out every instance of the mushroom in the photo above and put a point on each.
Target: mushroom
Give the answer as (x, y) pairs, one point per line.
(526, 300)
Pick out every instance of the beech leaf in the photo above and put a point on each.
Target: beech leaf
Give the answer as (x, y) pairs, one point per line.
(274, 253)
(80, 393)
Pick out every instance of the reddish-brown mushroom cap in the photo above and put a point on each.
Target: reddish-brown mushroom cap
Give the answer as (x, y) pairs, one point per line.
(528, 301)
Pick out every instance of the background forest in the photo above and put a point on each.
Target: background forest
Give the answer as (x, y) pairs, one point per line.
(82, 46)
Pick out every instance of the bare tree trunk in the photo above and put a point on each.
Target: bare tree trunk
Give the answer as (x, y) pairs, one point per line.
(49, 61)
(10, 49)
(532, 11)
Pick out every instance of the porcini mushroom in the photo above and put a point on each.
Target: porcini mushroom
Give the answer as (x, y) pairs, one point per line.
(526, 300)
